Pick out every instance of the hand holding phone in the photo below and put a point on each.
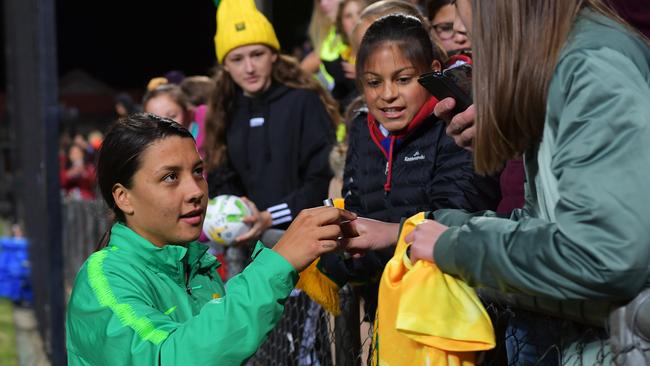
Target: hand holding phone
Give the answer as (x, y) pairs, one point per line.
(455, 82)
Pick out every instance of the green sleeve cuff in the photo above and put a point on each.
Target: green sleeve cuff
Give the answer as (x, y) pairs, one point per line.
(444, 252)
(278, 268)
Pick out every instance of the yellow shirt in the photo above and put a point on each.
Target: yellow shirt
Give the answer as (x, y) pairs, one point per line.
(426, 317)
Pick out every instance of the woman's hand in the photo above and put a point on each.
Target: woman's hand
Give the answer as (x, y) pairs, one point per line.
(314, 232)
(259, 221)
(423, 240)
(372, 235)
(460, 127)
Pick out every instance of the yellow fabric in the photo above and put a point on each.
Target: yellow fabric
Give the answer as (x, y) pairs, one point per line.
(332, 46)
(348, 56)
(426, 317)
(156, 82)
(239, 23)
(339, 203)
(318, 286)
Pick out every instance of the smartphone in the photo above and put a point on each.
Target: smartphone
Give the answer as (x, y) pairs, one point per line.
(455, 82)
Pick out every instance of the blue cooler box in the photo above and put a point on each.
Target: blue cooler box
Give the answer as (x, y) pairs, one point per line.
(15, 269)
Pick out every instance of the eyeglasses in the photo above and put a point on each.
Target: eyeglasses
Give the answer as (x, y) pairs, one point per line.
(446, 30)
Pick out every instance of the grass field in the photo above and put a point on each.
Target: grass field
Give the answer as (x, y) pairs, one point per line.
(8, 355)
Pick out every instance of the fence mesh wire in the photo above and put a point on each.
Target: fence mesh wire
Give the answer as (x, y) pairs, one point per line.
(304, 336)
(527, 338)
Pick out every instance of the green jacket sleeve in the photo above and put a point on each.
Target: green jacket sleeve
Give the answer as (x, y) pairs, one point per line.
(598, 246)
(227, 331)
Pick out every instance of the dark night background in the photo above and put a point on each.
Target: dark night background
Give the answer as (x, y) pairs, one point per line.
(126, 43)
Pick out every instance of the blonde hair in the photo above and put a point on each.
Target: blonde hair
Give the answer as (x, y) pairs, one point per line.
(339, 17)
(319, 27)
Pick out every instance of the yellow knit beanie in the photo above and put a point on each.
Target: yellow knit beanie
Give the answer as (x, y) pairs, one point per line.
(239, 23)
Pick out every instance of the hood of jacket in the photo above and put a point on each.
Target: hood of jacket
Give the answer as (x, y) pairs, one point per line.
(259, 106)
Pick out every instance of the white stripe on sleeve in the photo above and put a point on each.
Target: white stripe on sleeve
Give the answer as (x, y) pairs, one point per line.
(282, 220)
(278, 207)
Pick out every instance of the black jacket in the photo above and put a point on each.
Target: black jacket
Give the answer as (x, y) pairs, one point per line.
(278, 148)
(429, 172)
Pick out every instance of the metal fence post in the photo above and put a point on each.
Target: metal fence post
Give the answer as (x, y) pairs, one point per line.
(347, 333)
(33, 114)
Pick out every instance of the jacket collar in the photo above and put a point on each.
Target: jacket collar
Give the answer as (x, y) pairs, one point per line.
(275, 91)
(394, 139)
(377, 136)
(168, 258)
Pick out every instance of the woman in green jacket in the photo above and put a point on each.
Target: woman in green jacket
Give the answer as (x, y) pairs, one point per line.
(151, 295)
(566, 84)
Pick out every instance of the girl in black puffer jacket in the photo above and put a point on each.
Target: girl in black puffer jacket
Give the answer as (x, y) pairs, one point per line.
(399, 160)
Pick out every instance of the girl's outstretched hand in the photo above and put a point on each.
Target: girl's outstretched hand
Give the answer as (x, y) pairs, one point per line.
(423, 239)
(314, 232)
(372, 235)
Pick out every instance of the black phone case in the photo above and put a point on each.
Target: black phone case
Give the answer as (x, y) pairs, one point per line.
(441, 87)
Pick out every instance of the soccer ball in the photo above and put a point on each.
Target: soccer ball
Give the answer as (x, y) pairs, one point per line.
(223, 219)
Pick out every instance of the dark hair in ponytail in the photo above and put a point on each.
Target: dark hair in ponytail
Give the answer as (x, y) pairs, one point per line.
(121, 151)
(410, 35)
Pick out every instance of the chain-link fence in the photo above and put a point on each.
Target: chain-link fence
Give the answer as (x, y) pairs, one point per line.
(523, 337)
(304, 336)
(529, 338)
(84, 223)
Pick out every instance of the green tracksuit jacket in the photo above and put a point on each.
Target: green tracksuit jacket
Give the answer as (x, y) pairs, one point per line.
(584, 232)
(137, 304)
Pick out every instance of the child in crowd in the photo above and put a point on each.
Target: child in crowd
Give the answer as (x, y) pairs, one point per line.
(399, 160)
(124, 105)
(77, 174)
(169, 101)
(400, 128)
(368, 15)
(197, 89)
(270, 126)
(337, 57)
(447, 27)
(322, 34)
